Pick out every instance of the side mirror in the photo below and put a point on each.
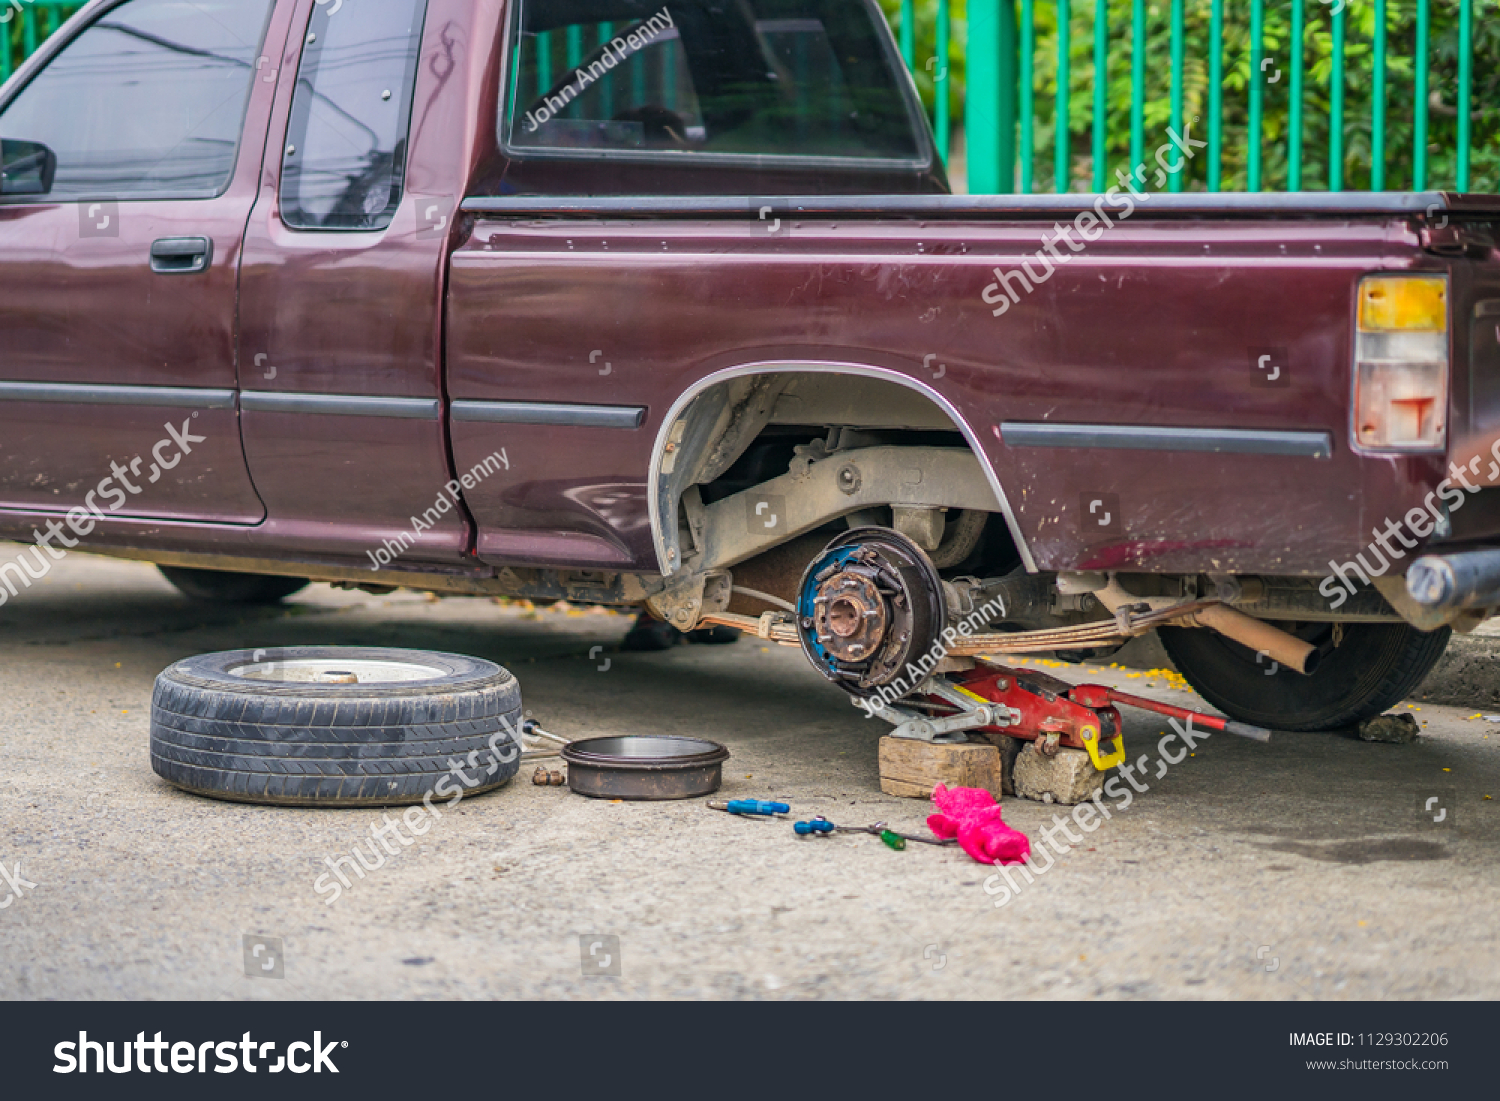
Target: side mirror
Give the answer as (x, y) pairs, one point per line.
(26, 168)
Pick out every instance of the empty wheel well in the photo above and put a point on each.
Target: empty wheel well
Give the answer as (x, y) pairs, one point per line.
(905, 460)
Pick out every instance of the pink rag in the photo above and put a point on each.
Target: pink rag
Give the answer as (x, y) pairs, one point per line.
(973, 816)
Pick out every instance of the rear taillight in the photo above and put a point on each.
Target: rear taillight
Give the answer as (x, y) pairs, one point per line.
(1401, 363)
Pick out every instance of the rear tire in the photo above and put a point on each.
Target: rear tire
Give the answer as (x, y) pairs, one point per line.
(224, 587)
(1373, 666)
(263, 726)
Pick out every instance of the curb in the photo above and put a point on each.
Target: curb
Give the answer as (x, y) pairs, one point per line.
(1467, 675)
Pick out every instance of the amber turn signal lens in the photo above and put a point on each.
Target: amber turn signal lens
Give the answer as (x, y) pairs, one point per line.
(1403, 303)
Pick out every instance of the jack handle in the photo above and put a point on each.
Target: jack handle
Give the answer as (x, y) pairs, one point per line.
(1097, 695)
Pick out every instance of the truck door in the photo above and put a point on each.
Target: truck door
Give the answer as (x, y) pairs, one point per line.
(342, 286)
(118, 266)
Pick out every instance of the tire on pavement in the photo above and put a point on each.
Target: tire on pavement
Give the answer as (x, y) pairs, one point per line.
(335, 726)
(1370, 667)
(225, 587)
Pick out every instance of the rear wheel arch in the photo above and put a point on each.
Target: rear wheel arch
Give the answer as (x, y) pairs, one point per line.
(713, 422)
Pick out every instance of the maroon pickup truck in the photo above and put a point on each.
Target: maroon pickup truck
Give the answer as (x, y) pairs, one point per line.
(666, 303)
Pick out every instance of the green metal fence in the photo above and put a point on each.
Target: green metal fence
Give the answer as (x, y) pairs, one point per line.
(1289, 95)
(25, 24)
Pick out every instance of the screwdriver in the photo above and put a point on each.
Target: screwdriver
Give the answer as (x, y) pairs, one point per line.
(750, 806)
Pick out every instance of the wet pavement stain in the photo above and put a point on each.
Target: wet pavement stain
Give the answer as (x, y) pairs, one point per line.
(1365, 851)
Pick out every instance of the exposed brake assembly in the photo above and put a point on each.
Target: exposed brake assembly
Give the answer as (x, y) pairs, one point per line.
(872, 615)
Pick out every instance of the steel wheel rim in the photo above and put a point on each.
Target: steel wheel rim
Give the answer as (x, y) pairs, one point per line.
(335, 671)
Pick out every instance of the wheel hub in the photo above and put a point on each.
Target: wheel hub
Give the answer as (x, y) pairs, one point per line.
(868, 603)
(850, 617)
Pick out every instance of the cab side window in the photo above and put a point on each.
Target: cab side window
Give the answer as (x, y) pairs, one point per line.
(148, 102)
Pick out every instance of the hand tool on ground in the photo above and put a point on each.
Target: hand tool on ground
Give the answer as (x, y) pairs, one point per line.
(891, 837)
(534, 741)
(751, 806)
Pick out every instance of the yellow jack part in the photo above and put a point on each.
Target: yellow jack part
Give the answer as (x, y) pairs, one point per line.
(1103, 761)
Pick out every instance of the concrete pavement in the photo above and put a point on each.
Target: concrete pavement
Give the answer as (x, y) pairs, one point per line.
(1306, 868)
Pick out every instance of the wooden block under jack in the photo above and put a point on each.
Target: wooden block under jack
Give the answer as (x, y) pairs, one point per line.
(911, 769)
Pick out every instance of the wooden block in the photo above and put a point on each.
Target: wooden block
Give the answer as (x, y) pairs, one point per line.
(911, 769)
(1009, 748)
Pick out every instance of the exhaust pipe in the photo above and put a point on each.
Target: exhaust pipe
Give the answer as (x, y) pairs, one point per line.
(1456, 582)
(1284, 649)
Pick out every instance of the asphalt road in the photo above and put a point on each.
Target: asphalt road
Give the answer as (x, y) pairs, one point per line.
(1300, 869)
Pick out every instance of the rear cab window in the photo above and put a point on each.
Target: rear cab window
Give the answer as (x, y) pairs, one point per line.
(702, 82)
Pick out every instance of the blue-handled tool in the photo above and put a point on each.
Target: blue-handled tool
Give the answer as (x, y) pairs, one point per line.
(897, 841)
(751, 806)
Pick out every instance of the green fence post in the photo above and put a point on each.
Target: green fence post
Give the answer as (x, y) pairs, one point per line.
(1377, 103)
(1257, 84)
(607, 85)
(1028, 93)
(1419, 98)
(982, 123)
(1216, 96)
(1007, 96)
(1465, 87)
(940, 85)
(990, 102)
(1336, 106)
(573, 52)
(1137, 83)
(1101, 89)
(1060, 133)
(1294, 97)
(1178, 82)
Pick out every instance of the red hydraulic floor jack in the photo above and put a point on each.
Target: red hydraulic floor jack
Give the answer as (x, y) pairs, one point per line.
(1033, 706)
